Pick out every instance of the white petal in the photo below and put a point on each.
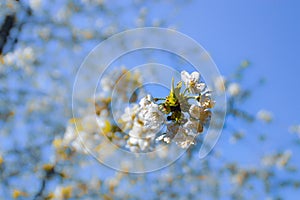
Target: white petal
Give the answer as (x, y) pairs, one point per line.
(195, 76)
(185, 76)
(133, 141)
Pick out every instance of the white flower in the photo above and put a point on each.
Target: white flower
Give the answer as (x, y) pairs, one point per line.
(234, 89)
(133, 141)
(194, 126)
(127, 118)
(183, 139)
(144, 144)
(151, 117)
(264, 115)
(89, 124)
(61, 192)
(191, 82)
(69, 135)
(137, 130)
(58, 192)
(144, 121)
(195, 111)
(182, 135)
(107, 84)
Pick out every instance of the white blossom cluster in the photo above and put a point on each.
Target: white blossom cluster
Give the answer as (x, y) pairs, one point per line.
(279, 159)
(265, 116)
(21, 58)
(144, 121)
(87, 132)
(182, 114)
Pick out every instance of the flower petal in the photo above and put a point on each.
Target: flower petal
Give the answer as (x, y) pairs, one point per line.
(195, 76)
(185, 76)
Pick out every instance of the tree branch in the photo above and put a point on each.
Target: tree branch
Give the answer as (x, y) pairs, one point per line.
(5, 29)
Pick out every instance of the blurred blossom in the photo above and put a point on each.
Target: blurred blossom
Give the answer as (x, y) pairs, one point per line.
(236, 137)
(61, 192)
(220, 83)
(8, 7)
(284, 158)
(157, 23)
(62, 15)
(295, 129)
(95, 2)
(245, 64)
(16, 194)
(35, 4)
(44, 32)
(279, 160)
(234, 89)
(110, 30)
(265, 116)
(140, 22)
(21, 58)
(143, 11)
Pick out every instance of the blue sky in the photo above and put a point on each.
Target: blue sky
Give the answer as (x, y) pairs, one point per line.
(265, 32)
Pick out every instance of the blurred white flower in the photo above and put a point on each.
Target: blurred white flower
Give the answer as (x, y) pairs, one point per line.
(69, 135)
(191, 82)
(140, 22)
(9, 58)
(220, 83)
(22, 58)
(62, 15)
(279, 160)
(61, 192)
(295, 129)
(268, 160)
(284, 158)
(35, 4)
(127, 118)
(264, 116)
(234, 89)
(107, 84)
(84, 134)
(44, 32)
